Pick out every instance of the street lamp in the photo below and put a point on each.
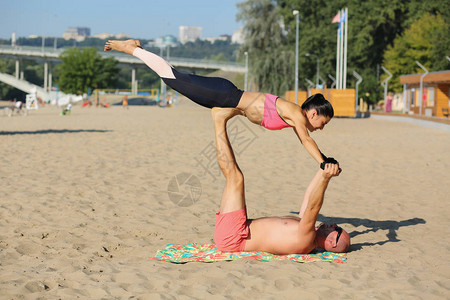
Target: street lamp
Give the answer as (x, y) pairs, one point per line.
(334, 81)
(317, 68)
(246, 70)
(295, 12)
(421, 85)
(385, 85)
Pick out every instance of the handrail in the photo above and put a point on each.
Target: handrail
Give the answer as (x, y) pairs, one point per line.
(48, 52)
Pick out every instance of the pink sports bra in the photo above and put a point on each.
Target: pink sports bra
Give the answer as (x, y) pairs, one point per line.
(271, 119)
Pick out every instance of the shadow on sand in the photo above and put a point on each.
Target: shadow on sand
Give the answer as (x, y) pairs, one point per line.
(47, 131)
(391, 226)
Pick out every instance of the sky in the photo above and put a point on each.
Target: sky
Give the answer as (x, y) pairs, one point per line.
(143, 19)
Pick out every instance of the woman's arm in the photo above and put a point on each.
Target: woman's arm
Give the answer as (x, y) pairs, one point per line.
(292, 114)
(308, 142)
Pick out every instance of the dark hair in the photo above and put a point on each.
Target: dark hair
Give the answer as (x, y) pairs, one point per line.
(320, 104)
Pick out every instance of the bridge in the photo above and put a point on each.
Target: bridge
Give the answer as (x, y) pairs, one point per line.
(51, 56)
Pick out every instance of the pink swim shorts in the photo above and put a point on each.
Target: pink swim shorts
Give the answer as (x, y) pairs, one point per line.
(231, 230)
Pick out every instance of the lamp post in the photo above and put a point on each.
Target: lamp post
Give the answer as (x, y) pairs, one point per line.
(43, 43)
(359, 78)
(385, 85)
(295, 12)
(246, 70)
(421, 85)
(334, 81)
(317, 68)
(311, 85)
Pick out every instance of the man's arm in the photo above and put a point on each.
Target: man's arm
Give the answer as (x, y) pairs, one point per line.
(314, 204)
(312, 185)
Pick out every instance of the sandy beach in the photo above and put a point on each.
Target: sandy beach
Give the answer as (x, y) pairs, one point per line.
(87, 198)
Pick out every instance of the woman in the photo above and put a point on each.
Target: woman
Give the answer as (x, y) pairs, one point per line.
(267, 110)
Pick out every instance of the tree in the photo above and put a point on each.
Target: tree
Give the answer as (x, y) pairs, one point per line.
(372, 26)
(271, 28)
(6, 91)
(265, 41)
(421, 42)
(84, 69)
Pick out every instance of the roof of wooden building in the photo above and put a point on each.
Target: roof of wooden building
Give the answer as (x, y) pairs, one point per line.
(432, 77)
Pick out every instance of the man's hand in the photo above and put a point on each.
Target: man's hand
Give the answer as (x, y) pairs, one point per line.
(328, 160)
(331, 170)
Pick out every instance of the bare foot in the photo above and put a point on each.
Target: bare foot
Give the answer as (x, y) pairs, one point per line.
(223, 114)
(127, 46)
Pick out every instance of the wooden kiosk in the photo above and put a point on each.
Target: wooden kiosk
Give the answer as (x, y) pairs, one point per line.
(343, 101)
(435, 95)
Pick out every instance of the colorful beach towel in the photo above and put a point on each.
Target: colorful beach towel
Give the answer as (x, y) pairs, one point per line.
(209, 253)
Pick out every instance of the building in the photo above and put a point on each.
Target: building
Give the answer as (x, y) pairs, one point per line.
(190, 34)
(238, 36)
(106, 35)
(435, 94)
(163, 42)
(223, 37)
(77, 33)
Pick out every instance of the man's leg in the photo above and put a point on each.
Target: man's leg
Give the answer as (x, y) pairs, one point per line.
(233, 197)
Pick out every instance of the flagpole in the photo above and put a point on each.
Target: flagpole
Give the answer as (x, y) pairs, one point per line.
(341, 72)
(338, 65)
(345, 50)
(296, 12)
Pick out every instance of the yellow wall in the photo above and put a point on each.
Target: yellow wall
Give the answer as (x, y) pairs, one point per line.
(302, 95)
(318, 91)
(441, 99)
(343, 101)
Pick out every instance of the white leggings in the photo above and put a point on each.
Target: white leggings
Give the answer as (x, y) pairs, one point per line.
(155, 62)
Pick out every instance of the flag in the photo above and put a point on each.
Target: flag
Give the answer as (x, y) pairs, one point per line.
(336, 18)
(343, 17)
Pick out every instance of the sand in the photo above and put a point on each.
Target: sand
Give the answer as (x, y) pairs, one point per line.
(86, 199)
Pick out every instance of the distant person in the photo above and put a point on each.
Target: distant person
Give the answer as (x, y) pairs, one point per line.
(19, 105)
(67, 110)
(103, 103)
(12, 104)
(125, 101)
(269, 111)
(389, 99)
(169, 99)
(86, 102)
(277, 235)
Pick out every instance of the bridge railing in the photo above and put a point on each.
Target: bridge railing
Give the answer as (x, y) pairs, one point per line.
(50, 52)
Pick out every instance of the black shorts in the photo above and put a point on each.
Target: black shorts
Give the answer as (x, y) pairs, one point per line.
(207, 91)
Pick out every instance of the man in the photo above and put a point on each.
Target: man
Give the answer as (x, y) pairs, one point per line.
(277, 235)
